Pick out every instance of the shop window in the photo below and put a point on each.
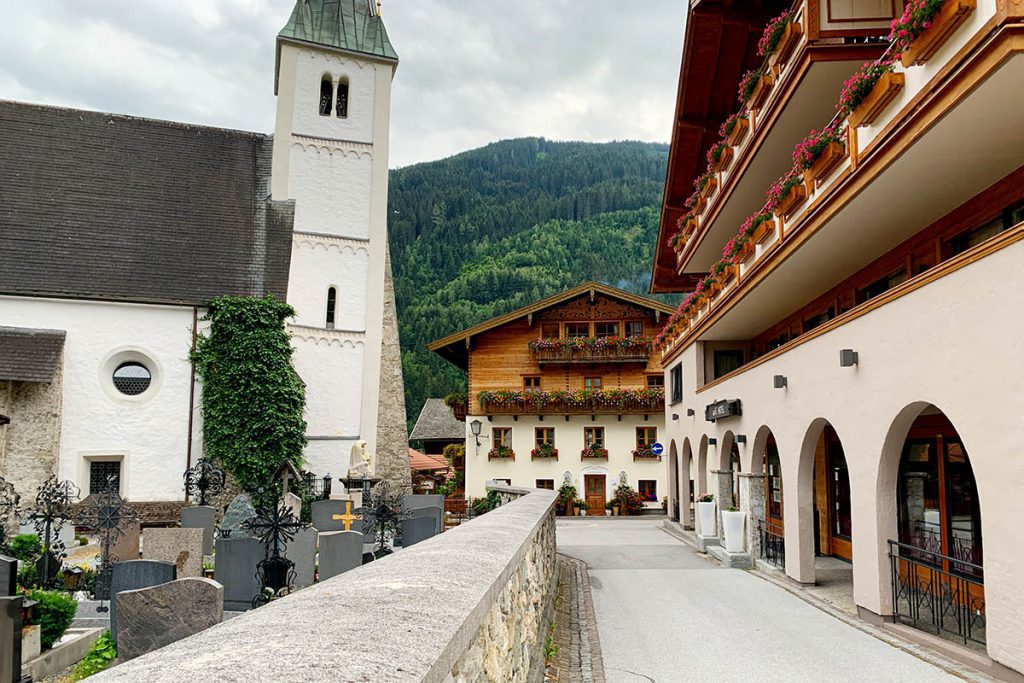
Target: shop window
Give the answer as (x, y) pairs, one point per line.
(549, 331)
(548, 484)
(677, 383)
(648, 490)
(531, 384)
(606, 329)
(655, 381)
(727, 361)
(646, 436)
(592, 383)
(502, 436)
(593, 437)
(544, 436)
(635, 328)
(577, 330)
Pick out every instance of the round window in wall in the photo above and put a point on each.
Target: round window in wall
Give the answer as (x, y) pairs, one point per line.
(132, 378)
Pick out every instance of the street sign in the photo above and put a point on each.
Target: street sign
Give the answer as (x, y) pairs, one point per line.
(657, 448)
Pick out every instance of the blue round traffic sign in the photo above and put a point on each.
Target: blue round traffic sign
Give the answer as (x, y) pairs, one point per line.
(657, 448)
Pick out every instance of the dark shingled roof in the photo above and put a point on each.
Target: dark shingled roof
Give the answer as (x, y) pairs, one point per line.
(437, 422)
(103, 206)
(28, 355)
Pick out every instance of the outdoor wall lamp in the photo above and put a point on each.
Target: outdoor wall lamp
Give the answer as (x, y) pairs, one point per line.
(712, 441)
(675, 416)
(780, 382)
(475, 426)
(848, 358)
(690, 412)
(741, 438)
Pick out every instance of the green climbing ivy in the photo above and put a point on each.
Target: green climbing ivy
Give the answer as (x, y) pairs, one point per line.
(252, 399)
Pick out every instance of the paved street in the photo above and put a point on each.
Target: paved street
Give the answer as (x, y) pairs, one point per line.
(666, 614)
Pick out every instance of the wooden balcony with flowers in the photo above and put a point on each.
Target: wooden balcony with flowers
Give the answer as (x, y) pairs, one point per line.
(592, 350)
(645, 401)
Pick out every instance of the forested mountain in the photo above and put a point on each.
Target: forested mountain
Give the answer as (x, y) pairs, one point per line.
(496, 228)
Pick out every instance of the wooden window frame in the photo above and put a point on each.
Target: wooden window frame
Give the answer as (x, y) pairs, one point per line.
(628, 323)
(537, 442)
(547, 488)
(639, 489)
(591, 378)
(588, 323)
(587, 443)
(527, 389)
(618, 328)
(658, 377)
(495, 442)
(645, 429)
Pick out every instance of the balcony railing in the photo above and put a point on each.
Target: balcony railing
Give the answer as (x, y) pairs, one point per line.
(935, 592)
(773, 544)
(584, 402)
(592, 350)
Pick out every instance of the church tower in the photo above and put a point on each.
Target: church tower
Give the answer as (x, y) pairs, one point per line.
(333, 79)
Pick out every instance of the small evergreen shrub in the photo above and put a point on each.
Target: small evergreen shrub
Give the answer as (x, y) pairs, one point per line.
(54, 613)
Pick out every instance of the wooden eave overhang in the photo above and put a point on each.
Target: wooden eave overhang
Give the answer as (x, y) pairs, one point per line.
(719, 47)
(455, 347)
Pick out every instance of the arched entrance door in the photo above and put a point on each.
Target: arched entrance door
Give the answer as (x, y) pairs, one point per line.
(773, 534)
(833, 521)
(937, 563)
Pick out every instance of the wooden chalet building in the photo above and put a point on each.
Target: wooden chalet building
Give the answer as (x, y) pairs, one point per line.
(565, 389)
(847, 365)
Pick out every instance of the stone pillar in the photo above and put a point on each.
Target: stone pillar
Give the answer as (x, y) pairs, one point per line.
(723, 491)
(752, 501)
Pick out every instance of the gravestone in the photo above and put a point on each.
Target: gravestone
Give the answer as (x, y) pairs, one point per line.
(127, 546)
(10, 639)
(340, 551)
(292, 504)
(200, 517)
(302, 551)
(183, 547)
(434, 513)
(416, 529)
(135, 574)
(150, 618)
(8, 576)
(236, 571)
(324, 512)
(422, 500)
(238, 513)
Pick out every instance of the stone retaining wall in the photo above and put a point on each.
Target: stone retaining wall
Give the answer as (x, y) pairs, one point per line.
(474, 603)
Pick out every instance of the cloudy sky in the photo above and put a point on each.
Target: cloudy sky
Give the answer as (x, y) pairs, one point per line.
(471, 71)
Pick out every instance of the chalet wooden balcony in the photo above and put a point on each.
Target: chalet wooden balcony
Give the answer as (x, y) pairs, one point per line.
(592, 350)
(644, 401)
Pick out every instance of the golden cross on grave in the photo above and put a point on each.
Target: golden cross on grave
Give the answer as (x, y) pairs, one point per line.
(348, 517)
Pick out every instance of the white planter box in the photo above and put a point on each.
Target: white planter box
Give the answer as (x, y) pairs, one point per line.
(706, 517)
(733, 523)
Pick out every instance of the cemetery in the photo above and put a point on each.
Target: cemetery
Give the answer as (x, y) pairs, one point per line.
(83, 578)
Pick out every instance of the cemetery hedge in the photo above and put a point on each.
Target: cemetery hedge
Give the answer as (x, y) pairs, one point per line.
(54, 612)
(252, 400)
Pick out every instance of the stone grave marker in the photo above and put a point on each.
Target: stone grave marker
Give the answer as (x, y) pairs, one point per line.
(135, 574)
(236, 571)
(302, 551)
(422, 500)
(292, 504)
(127, 546)
(239, 511)
(150, 618)
(340, 551)
(201, 517)
(416, 529)
(183, 547)
(8, 576)
(324, 512)
(434, 513)
(10, 639)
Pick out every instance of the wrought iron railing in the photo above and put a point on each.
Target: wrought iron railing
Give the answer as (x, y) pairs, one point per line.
(936, 592)
(773, 544)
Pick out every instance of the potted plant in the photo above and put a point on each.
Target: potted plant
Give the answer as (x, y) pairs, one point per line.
(706, 514)
(608, 508)
(779, 38)
(732, 528)
(544, 451)
(581, 507)
(501, 453)
(869, 91)
(664, 503)
(820, 152)
(925, 26)
(735, 128)
(567, 496)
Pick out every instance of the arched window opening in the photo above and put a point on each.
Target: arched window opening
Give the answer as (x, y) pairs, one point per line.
(343, 99)
(326, 93)
(332, 299)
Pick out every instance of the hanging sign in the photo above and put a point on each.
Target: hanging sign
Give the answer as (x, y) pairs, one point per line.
(722, 409)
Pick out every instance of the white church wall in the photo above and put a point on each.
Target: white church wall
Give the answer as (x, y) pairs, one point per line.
(310, 68)
(147, 433)
(318, 264)
(331, 186)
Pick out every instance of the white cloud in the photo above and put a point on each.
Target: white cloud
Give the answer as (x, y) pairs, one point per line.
(471, 72)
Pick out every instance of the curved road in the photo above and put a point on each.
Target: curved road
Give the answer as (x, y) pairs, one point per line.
(666, 614)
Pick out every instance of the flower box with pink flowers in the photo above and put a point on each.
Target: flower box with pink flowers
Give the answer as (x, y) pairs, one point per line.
(926, 25)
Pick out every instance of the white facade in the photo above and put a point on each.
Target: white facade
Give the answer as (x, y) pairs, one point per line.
(335, 168)
(620, 440)
(147, 433)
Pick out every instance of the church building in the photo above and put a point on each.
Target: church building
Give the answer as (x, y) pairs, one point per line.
(116, 231)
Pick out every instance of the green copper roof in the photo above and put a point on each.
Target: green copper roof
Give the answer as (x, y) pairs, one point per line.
(344, 24)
